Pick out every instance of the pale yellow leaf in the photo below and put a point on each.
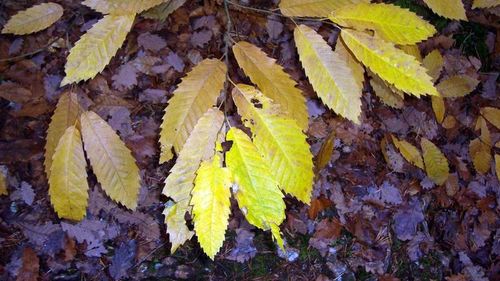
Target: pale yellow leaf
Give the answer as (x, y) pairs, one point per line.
(485, 3)
(94, 50)
(389, 63)
(480, 154)
(457, 86)
(162, 11)
(211, 205)
(34, 19)
(385, 93)
(390, 22)
(255, 188)
(439, 108)
(409, 152)
(272, 80)
(330, 75)
(492, 114)
(197, 92)
(121, 7)
(279, 140)
(111, 160)
(68, 187)
(313, 8)
(434, 63)
(436, 164)
(66, 114)
(451, 9)
(199, 146)
(358, 72)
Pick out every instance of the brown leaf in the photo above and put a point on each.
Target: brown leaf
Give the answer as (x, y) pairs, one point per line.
(318, 205)
(31, 266)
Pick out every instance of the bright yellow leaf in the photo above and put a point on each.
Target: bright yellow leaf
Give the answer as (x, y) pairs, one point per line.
(390, 22)
(330, 75)
(385, 93)
(313, 8)
(111, 160)
(409, 152)
(272, 80)
(211, 205)
(199, 146)
(451, 9)
(121, 7)
(436, 164)
(94, 50)
(68, 187)
(457, 86)
(389, 63)
(492, 114)
(434, 63)
(485, 3)
(411, 50)
(34, 19)
(66, 114)
(256, 190)
(279, 140)
(439, 108)
(197, 92)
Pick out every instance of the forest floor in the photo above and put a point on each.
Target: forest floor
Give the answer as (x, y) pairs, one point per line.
(369, 219)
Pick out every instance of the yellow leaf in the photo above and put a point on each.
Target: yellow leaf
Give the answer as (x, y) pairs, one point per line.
(390, 22)
(485, 132)
(409, 152)
(457, 86)
(497, 165)
(68, 187)
(34, 19)
(279, 140)
(211, 205)
(436, 164)
(256, 190)
(272, 80)
(325, 152)
(121, 7)
(439, 108)
(485, 3)
(411, 50)
(162, 11)
(94, 50)
(358, 72)
(313, 8)
(389, 63)
(330, 75)
(66, 114)
(449, 122)
(480, 155)
(199, 146)
(451, 9)
(434, 63)
(491, 114)
(385, 93)
(3, 181)
(111, 160)
(197, 92)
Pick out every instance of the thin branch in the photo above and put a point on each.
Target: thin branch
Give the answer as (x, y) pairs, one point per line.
(31, 53)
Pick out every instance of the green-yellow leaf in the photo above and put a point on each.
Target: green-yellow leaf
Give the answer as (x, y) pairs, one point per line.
(485, 3)
(121, 7)
(313, 8)
(390, 63)
(411, 50)
(436, 164)
(390, 22)
(34, 19)
(68, 187)
(385, 93)
(457, 86)
(409, 152)
(256, 189)
(211, 205)
(451, 9)
(66, 114)
(94, 50)
(434, 63)
(492, 114)
(199, 146)
(111, 160)
(439, 108)
(197, 92)
(330, 75)
(272, 80)
(279, 140)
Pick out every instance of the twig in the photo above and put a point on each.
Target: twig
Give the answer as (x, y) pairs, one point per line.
(31, 53)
